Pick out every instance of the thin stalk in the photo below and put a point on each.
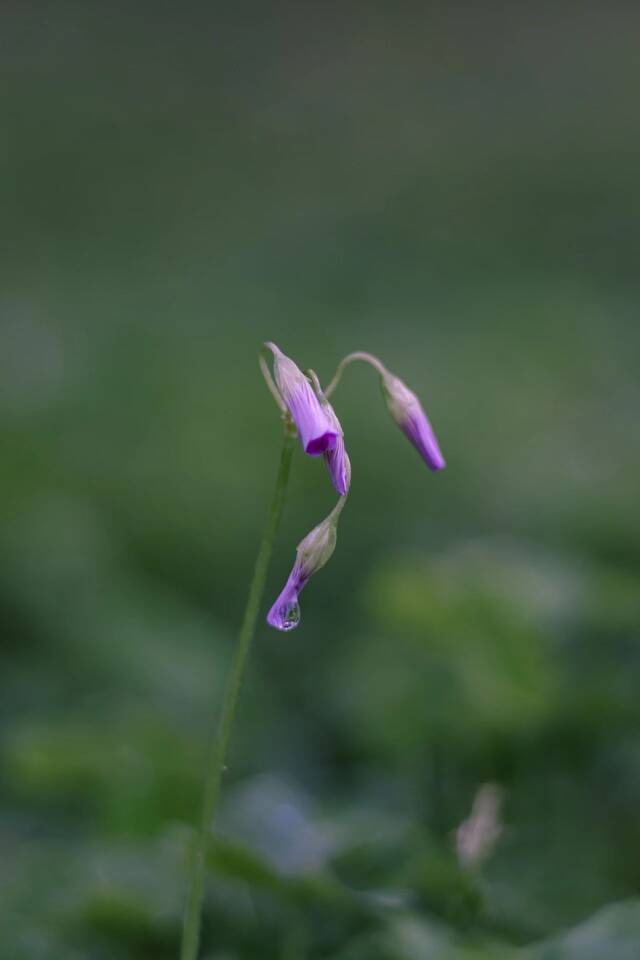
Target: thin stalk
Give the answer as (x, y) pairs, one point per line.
(358, 355)
(216, 764)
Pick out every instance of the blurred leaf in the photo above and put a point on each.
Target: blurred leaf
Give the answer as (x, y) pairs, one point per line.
(613, 932)
(133, 773)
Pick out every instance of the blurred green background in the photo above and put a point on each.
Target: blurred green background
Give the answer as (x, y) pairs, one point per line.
(454, 187)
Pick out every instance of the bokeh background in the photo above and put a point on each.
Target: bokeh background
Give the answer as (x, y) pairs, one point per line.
(453, 186)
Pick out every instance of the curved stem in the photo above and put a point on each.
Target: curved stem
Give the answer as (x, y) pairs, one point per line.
(216, 765)
(358, 355)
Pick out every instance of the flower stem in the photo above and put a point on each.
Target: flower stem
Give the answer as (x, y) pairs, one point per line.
(358, 355)
(216, 766)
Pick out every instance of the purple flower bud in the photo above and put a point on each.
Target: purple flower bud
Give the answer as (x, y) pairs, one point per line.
(317, 433)
(312, 554)
(285, 613)
(406, 410)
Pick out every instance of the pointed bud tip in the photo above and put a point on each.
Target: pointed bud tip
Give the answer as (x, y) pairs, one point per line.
(437, 463)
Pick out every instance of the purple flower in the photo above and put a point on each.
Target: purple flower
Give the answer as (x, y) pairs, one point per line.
(406, 410)
(312, 554)
(316, 431)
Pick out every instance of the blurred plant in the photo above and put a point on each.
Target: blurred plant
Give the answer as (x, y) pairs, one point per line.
(477, 836)
(305, 409)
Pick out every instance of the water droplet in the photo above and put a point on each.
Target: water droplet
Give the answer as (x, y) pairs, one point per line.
(291, 617)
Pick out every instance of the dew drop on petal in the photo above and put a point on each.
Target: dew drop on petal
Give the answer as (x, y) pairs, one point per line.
(291, 617)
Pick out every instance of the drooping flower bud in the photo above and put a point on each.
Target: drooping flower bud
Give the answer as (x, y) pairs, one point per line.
(312, 553)
(406, 410)
(317, 432)
(403, 405)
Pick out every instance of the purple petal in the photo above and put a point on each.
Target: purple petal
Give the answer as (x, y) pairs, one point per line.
(315, 429)
(420, 432)
(285, 613)
(406, 410)
(317, 434)
(338, 466)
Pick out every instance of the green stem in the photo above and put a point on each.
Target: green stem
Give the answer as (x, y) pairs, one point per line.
(358, 355)
(193, 909)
